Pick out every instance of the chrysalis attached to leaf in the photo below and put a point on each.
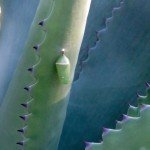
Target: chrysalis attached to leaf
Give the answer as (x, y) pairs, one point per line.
(63, 68)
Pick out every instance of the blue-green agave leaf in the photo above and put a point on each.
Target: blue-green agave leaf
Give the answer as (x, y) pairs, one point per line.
(117, 67)
(133, 135)
(134, 129)
(99, 11)
(17, 17)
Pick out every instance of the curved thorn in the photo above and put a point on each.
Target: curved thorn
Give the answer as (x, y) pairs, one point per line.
(24, 105)
(41, 23)
(22, 130)
(30, 69)
(25, 117)
(27, 88)
(36, 47)
(21, 143)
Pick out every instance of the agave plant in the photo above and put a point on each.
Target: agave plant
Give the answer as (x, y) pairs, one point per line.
(47, 104)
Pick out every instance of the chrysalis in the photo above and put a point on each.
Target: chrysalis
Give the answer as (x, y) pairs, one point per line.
(63, 68)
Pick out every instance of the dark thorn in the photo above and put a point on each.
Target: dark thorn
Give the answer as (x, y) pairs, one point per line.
(25, 105)
(20, 143)
(41, 23)
(21, 130)
(36, 47)
(30, 69)
(24, 117)
(27, 88)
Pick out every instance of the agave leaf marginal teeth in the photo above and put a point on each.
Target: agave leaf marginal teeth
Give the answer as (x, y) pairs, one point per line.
(25, 104)
(21, 143)
(30, 69)
(105, 131)
(36, 47)
(25, 117)
(41, 23)
(27, 88)
(22, 130)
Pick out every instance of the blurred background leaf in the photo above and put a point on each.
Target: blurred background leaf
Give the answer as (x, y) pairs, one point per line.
(17, 17)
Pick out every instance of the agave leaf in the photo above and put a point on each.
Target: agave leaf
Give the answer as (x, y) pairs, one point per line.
(134, 131)
(36, 101)
(117, 67)
(17, 17)
(99, 11)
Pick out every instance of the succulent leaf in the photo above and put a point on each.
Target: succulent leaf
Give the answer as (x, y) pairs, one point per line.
(117, 67)
(16, 20)
(36, 98)
(134, 132)
(99, 11)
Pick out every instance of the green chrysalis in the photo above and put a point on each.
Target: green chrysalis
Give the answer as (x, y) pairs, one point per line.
(63, 68)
